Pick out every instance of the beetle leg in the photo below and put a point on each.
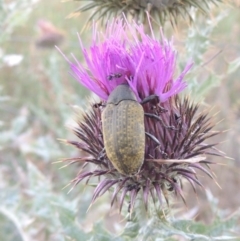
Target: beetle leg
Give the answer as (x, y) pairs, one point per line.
(159, 144)
(153, 138)
(101, 154)
(156, 100)
(163, 153)
(150, 98)
(159, 108)
(160, 119)
(100, 104)
(178, 118)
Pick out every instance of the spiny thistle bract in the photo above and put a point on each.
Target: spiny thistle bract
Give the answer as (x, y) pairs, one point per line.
(159, 10)
(175, 145)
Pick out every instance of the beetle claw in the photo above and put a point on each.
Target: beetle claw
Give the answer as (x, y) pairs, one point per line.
(163, 153)
(100, 104)
(162, 109)
(172, 128)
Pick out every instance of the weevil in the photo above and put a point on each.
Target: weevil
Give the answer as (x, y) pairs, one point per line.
(123, 130)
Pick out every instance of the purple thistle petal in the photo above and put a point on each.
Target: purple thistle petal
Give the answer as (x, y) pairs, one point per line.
(143, 62)
(178, 190)
(178, 169)
(192, 184)
(133, 196)
(185, 175)
(81, 176)
(146, 193)
(100, 172)
(204, 147)
(102, 187)
(196, 165)
(158, 191)
(124, 192)
(84, 174)
(118, 189)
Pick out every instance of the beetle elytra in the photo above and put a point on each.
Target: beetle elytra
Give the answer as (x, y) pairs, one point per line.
(123, 130)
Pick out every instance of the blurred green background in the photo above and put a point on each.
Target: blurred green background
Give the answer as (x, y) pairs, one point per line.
(37, 100)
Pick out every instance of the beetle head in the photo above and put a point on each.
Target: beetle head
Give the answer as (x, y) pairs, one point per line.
(120, 93)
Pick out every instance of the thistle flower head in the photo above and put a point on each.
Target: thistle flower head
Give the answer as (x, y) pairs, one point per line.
(160, 10)
(175, 131)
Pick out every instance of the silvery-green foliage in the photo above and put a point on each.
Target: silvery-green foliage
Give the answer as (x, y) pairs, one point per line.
(12, 15)
(197, 42)
(33, 205)
(158, 227)
(37, 210)
(199, 39)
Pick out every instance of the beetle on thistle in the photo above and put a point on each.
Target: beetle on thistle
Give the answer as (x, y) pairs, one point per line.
(124, 131)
